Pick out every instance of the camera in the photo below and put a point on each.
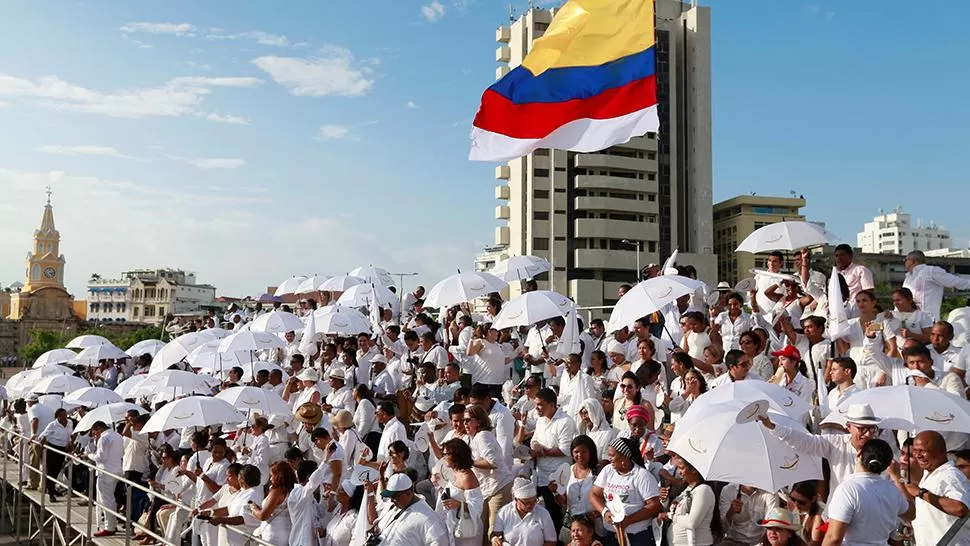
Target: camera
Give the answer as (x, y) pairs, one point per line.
(372, 540)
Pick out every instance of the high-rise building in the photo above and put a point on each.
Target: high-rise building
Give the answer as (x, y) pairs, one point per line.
(893, 233)
(599, 217)
(738, 217)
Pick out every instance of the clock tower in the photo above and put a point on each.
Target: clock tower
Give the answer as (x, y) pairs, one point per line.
(43, 295)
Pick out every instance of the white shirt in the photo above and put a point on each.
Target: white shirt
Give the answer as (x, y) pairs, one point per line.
(437, 356)
(300, 504)
(384, 385)
(534, 529)
(927, 282)
(635, 488)
(420, 525)
(44, 415)
(731, 330)
(836, 396)
(364, 417)
(484, 446)
(342, 398)
(239, 507)
(218, 472)
(504, 423)
(799, 386)
(744, 526)
(726, 379)
(942, 362)
(108, 452)
(870, 505)
(836, 448)
(393, 431)
(557, 432)
(488, 365)
(931, 524)
(56, 434)
(135, 457)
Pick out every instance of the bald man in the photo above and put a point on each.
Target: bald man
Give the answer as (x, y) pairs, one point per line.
(943, 494)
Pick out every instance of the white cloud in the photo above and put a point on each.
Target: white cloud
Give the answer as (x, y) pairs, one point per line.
(334, 73)
(141, 45)
(219, 118)
(412, 104)
(218, 163)
(433, 11)
(260, 37)
(105, 151)
(3, 104)
(331, 132)
(178, 29)
(197, 66)
(178, 97)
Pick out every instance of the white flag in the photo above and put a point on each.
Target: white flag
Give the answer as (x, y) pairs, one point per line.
(308, 345)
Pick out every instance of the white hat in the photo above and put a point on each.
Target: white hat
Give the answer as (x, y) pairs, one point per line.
(957, 364)
(861, 414)
(308, 374)
(380, 359)
(33, 397)
(918, 373)
(424, 403)
(723, 285)
(523, 489)
(337, 373)
(615, 346)
(397, 483)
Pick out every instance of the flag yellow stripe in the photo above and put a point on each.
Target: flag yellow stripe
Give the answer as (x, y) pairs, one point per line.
(591, 33)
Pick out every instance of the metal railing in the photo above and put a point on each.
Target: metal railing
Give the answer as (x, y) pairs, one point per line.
(12, 495)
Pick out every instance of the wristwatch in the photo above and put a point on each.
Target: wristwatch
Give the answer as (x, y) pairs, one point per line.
(922, 491)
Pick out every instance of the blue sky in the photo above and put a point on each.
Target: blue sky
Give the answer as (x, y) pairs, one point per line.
(252, 141)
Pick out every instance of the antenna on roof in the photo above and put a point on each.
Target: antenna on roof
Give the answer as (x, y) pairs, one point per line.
(511, 13)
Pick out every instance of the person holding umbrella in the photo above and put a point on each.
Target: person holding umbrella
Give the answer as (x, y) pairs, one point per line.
(627, 495)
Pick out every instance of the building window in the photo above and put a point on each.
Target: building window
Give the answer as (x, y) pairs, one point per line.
(540, 215)
(540, 243)
(540, 194)
(541, 173)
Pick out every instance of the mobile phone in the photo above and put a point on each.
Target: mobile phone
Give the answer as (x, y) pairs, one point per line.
(444, 495)
(204, 517)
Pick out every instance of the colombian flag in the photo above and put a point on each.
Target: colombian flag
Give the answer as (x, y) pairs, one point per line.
(587, 84)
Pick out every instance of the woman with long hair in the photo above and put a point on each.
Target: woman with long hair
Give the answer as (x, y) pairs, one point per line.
(692, 512)
(907, 320)
(792, 373)
(629, 396)
(577, 481)
(340, 528)
(803, 501)
(599, 371)
(489, 365)
(852, 342)
(489, 464)
(633, 494)
(365, 416)
(276, 525)
(781, 529)
(461, 497)
(760, 363)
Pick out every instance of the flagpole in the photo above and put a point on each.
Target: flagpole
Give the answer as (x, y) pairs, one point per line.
(552, 219)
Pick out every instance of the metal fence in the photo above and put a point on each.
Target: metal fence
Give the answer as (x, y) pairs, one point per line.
(67, 522)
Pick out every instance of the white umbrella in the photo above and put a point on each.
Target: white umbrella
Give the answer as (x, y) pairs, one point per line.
(362, 295)
(532, 307)
(909, 408)
(256, 400)
(261, 365)
(785, 236)
(341, 321)
(724, 442)
(179, 381)
(208, 357)
(96, 353)
(462, 288)
(341, 283)
(250, 341)
(517, 268)
(56, 401)
(148, 346)
(81, 342)
(128, 385)
(55, 356)
(92, 397)
(646, 297)
(21, 382)
(107, 414)
(289, 286)
(375, 275)
(693, 284)
(311, 284)
(751, 390)
(194, 411)
(277, 322)
(59, 383)
(176, 350)
(217, 333)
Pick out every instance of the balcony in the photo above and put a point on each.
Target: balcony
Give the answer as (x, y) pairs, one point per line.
(503, 54)
(600, 182)
(502, 192)
(502, 212)
(503, 34)
(605, 259)
(604, 161)
(503, 172)
(501, 71)
(617, 204)
(594, 228)
(502, 235)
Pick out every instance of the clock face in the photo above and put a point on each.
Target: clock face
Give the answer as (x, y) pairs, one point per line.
(50, 272)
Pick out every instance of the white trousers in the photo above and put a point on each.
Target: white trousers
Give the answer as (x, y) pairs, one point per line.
(105, 494)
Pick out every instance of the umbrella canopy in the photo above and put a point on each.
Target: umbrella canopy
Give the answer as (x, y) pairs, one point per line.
(59, 383)
(256, 400)
(55, 356)
(518, 268)
(340, 321)
(269, 298)
(750, 390)
(21, 382)
(250, 341)
(148, 346)
(128, 385)
(185, 382)
(646, 297)
(785, 236)
(176, 350)
(81, 342)
(95, 353)
(93, 397)
(311, 284)
(260, 366)
(362, 295)
(341, 283)
(194, 411)
(217, 333)
(277, 322)
(289, 286)
(461, 288)
(724, 442)
(107, 414)
(373, 275)
(909, 408)
(208, 357)
(531, 307)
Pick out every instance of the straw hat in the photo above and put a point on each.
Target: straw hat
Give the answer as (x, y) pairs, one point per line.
(780, 518)
(309, 413)
(861, 414)
(342, 419)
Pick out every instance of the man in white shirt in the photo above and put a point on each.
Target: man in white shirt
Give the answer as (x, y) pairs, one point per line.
(57, 435)
(410, 521)
(927, 283)
(741, 508)
(134, 462)
(340, 396)
(550, 447)
(40, 416)
(383, 386)
(738, 365)
(107, 455)
(857, 277)
(774, 262)
(410, 299)
(843, 375)
(942, 496)
(502, 419)
(366, 350)
(944, 353)
(393, 430)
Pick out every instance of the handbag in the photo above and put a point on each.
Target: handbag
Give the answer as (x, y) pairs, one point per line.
(467, 527)
(564, 532)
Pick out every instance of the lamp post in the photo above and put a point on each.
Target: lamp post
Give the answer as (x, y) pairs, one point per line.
(400, 276)
(635, 244)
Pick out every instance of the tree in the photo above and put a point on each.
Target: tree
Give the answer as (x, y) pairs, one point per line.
(42, 341)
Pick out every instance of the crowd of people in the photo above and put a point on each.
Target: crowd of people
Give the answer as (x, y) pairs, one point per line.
(439, 429)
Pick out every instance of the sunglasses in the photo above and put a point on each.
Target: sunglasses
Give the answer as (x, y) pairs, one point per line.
(627, 386)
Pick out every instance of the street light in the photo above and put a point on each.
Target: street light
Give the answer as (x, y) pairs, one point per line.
(400, 276)
(637, 245)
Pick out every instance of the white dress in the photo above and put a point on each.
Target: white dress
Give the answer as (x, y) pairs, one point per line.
(473, 504)
(276, 530)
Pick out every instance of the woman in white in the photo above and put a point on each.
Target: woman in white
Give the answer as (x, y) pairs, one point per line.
(760, 363)
(524, 522)
(625, 486)
(364, 415)
(599, 371)
(167, 473)
(572, 483)
(309, 382)
(354, 448)
(489, 365)
(490, 466)
(696, 338)
(258, 455)
(691, 512)
(791, 374)
(340, 528)
(276, 525)
(788, 295)
(729, 325)
(674, 400)
(172, 520)
(906, 320)
(865, 508)
(221, 500)
(461, 498)
(694, 385)
(593, 423)
(852, 341)
(238, 515)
